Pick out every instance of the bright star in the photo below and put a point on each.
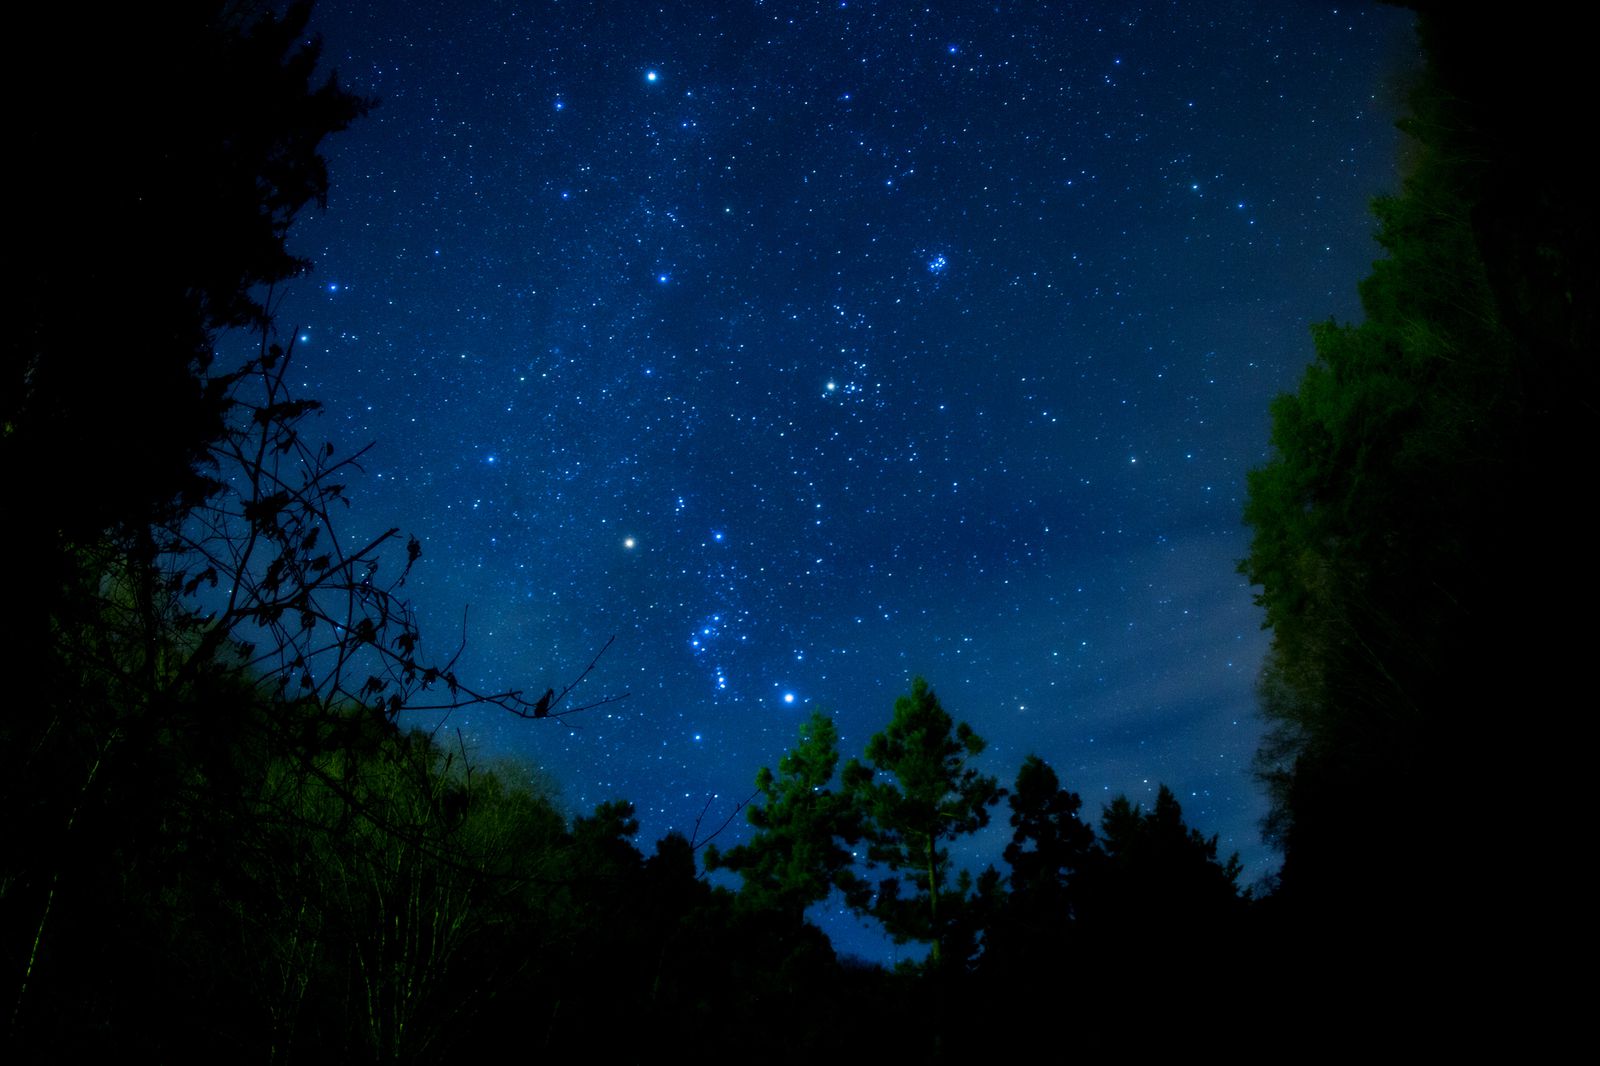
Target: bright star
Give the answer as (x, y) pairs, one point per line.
(629, 542)
(652, 76)
(788, 697)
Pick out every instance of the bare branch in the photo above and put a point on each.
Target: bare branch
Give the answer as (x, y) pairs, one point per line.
(696, 843)
(305, 607)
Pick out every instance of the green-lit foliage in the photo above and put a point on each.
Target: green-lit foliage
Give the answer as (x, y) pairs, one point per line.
(1363, 518)
(138, 743)
(799, 851)
(917, 793)
(1408, 527)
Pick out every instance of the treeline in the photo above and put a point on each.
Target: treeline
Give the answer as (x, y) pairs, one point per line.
(220, 843)
(1408, 538)
(1146, 882)
(384, 899)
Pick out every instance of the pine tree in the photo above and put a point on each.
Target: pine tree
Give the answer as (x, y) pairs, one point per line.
(798, 853)
(1027, 935)
(1155, 883)
(919, 793)
(1050, 840)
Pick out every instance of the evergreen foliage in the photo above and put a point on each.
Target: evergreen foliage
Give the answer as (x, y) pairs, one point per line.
(1050, 842)
(1156, 883)
(919, 794)
(1421, 465)
(800, 850)
(1050, 846)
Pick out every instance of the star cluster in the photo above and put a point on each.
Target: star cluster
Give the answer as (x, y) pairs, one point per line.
(810, 347)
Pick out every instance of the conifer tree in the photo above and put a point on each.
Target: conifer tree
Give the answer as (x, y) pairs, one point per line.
(919, 793)
(798, 853)
(1422, 464)
(1027, 933)
(1050, 840)
(1155, 883)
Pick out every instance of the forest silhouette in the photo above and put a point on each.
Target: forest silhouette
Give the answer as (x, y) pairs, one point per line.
(222, 843)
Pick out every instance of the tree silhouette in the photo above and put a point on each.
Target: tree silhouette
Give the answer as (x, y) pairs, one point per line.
(1154, 889)
(798, 853)
(187, 598)
(1050, 842)
(1416, 478)
(158, 216)
(918, 794)
(159, 200)
(1030, 931)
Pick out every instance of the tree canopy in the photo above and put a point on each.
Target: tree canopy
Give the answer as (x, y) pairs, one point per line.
(159, 213)
(800, 849)
(1419, 476)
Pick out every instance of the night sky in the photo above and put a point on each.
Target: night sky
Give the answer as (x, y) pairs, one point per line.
(808, 348)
